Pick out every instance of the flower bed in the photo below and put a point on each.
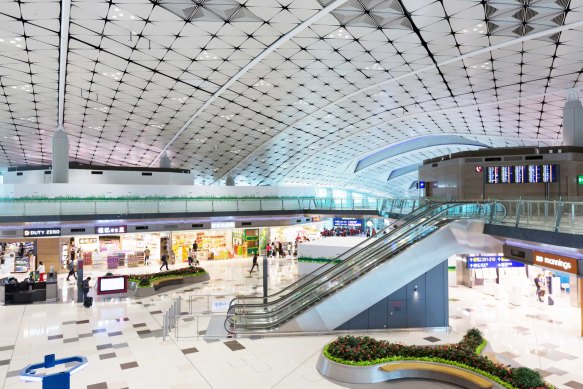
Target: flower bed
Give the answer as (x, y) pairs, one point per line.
(146, 280)
(365, 351)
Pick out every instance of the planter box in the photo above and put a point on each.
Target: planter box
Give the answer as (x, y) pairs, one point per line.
(374, 374)
(188, 280)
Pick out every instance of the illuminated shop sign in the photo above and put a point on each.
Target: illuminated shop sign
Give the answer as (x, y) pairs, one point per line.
(104, 230)
(87, 240)
(40, 232)
(222, 225)
(491, 262)
(554, 261)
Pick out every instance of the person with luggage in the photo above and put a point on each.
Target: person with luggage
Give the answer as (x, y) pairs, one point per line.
(191, 255)
(87, 301)
(71, 267)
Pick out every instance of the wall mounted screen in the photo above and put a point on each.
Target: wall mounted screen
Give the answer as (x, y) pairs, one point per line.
(522, 174)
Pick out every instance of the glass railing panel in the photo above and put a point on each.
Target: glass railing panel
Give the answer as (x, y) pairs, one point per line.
(292, 204)
(225, 206)
(199, 206)
(111, 207)
(249, 205)
(271, 205)
(143, 206)
(12, 208)
(172, 206)
(41, 208)
(78, 208)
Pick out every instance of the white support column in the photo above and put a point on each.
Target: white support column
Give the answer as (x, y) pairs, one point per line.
(165, 162)
(60, 163)
(573, 120)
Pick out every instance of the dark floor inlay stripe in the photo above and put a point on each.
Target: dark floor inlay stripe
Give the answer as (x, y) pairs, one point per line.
(128, 365)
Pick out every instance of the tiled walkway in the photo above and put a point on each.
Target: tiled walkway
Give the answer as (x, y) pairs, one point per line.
(122, 339)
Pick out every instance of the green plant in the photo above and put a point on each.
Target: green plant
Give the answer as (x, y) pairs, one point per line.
(317, 260)
(365, 351)
(146, 280)
(523, 377)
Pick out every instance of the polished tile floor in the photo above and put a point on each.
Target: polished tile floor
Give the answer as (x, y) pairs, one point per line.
(123, 342)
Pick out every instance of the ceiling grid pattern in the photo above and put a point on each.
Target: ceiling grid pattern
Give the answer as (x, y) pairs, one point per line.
(137, 71)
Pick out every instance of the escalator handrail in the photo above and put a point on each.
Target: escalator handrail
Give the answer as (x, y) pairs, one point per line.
(361, 247)
(350, 252)
(342, 271)
(330, 291)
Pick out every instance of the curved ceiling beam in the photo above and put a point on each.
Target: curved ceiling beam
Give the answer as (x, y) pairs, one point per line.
(456, 108)
(401, 171)
(472, 54)
(63, 52)
(274, 46)
(409, 145)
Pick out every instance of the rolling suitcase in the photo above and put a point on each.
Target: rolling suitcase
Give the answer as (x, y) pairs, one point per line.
(551, 301)
(88, 302)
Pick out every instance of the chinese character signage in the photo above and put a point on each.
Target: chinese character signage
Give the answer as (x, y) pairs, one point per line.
(106, 230)
(40, 232)
(491, 262)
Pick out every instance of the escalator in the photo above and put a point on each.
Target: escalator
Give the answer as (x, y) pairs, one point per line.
(366, 273)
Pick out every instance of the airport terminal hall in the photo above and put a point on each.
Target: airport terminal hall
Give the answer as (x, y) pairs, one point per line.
(291, 194)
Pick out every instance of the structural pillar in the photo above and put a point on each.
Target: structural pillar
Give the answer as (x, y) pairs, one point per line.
(60, 163)
(573, 120)
(165, 162)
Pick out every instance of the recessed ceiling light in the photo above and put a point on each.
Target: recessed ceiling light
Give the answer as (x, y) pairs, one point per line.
(206, 56)
(339, 34)
(479, 25)
(481, 31)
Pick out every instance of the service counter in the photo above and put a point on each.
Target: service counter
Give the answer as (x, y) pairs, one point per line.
(35, 292)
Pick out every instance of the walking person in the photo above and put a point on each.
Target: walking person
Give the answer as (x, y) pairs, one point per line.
(164, 260)
(254, 263)
(540, 287)
(71, 267)
(195, 246)
(191, 256)
(146, 256)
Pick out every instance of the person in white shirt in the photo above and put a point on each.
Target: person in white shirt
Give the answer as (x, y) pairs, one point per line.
(41, 271)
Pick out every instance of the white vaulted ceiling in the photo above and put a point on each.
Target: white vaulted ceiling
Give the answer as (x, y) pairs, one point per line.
(278, 92)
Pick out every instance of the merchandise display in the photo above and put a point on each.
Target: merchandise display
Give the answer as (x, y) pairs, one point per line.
(113, 252)
(212, 244)
(22, 255)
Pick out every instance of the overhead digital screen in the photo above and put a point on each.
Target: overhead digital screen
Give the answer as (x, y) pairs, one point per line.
(507, 174)
(522, 174)
(493, 175)
(534, 174)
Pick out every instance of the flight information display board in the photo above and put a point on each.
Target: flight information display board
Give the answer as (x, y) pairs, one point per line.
(522, 174)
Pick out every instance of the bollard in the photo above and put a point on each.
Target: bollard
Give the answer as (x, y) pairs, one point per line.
(164, 326)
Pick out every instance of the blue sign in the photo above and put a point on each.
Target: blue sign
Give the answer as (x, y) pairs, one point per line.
(421, 184)
(347, 222)
(491, 262)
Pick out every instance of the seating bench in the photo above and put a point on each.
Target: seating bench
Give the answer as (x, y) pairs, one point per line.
(438, 371)
(167, 282)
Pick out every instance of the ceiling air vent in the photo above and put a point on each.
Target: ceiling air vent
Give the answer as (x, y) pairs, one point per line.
(197, 225)
(533, 157)
(473, 159)
(77, 229)
(170, 226)
(493, 159)
(246, 224)
(141, 228)
(9, 233)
